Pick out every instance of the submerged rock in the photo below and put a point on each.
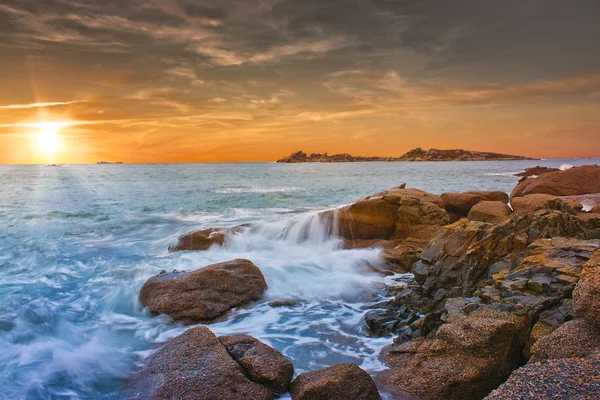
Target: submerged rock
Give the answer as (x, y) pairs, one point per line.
(339, 382)
(204, 294)
(204, 239)
(194, 365)
(261, 363)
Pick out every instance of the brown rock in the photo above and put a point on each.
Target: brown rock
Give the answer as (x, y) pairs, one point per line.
(556, 379)
(587, 292)
(535, 202)
(493, 212)
(539, 331)
(368, 219)
(574, 339)
(595, 210)
(467, 358)
(203, 294)
(339, 382)
(536, 171)
(203, 239)
(194, 365)
(461, 203)
(261, 363)
(570, 182)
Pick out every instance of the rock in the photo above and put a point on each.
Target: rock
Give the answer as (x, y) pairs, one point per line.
(493, 212)
(557, 379)
(536, 171)
(394, 214)
(539, 331)
(261, 363)
(571, 182)
(466, 359)
(461, 203)
(595, 210)
(458, 259)
(535, 202)
(204, 294)
(574, 339)
(194, 365)
(587, 292)
(339, 382)
(203, 239)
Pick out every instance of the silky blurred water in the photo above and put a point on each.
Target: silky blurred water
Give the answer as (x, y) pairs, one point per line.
(78, 242)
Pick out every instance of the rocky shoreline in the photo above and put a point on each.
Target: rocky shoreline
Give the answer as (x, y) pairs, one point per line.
(417, 154)
(502, 301)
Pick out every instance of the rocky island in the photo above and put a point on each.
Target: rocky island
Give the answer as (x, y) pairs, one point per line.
(417, 154)
(502, 301)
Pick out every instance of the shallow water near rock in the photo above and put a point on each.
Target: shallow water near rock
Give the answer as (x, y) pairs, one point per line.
(78, 242)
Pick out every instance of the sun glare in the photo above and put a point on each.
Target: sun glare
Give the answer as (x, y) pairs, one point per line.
(47, 138)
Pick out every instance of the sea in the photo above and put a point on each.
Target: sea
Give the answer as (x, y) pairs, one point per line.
(77, 242)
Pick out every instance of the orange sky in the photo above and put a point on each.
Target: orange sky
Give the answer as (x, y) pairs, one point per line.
(186, 81)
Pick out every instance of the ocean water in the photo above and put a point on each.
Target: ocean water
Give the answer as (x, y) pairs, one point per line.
(77, 243)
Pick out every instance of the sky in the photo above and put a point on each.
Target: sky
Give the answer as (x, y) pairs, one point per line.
(144, 81)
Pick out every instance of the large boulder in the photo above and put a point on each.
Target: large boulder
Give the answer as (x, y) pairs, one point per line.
(468, 357)
(571, 182)
(261, 363)
(535, 171)
(493, 212)
(339, 382)
(194, 365)
(564, 379)
(398, 213)
(204, 294)
(461, 203)
(574, 339)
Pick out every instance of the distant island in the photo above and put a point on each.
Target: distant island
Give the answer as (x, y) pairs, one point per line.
(417, 154)
(108, 163)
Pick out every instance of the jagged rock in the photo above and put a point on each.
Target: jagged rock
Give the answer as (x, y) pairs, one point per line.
(556, 379)
(468, 357)
(458, 259)
(261, 363)
(493, 212)
(461, 203)
(535, 202)
(339, 382)
(194, 365)
(570, 182)
(204, 294)
(587, 292)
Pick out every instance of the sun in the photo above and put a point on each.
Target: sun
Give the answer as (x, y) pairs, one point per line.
(48, 137)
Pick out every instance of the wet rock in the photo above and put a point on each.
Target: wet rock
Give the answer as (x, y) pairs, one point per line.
(536, 171)
(461, 203)
(571, 182)
(339, 382)
(283, 303)
(194, 365)
(595, 210)
(204, 294)
(368, 219)
(557, 379)
(204, 239)
(493, 212)
(466, 359)
(261, 363)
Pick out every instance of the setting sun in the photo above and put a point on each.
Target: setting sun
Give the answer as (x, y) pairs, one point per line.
(47, 138)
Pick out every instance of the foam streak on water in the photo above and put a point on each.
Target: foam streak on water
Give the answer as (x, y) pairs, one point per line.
(77, 244)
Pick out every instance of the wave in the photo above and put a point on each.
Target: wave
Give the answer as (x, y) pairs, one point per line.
(564, 167)
(257, 189)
